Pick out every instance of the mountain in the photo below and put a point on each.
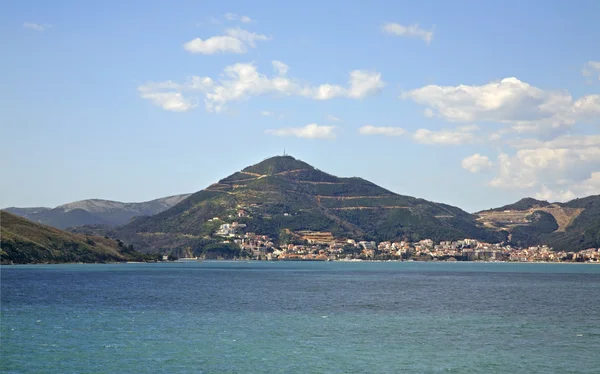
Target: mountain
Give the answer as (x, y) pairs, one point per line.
(23, 241)
(95, 212)
(282, 193)
(571, 226)
(523, 204)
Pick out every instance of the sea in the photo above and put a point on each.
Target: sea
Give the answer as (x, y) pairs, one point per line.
(300, 317)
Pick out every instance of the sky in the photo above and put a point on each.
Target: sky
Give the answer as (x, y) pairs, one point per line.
(474, 104)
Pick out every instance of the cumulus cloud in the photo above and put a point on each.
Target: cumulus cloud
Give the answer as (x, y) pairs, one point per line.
(266, 113)
(310, 131)
(235, 17)
(560, 169)
(409, 31)
(589, 186)
(280, 67)
(565, 141)
(554, 161)
(476, 163)
(458, 136)
(508, 101)
(591, 69)
(166, 95)
(547, 194)
(36, 26)
(235, 40)
(172, 101)
(242, 81)
(386, 131)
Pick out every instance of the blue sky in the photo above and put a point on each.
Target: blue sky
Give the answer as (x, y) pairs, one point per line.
(475, 104)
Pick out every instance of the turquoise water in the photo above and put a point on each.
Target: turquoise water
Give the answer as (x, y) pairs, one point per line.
(308, 317)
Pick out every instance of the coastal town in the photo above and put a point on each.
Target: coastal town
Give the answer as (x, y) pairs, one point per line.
(323, 246)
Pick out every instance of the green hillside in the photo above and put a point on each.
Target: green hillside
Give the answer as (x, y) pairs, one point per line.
(523, 204)
(584, 230)
(284, 193)
(23, 241)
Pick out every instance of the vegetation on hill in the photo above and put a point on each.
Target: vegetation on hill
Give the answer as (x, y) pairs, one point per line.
(24, 242)
(523, 204)
(284, 193)
(570, 226)
(277, 164)
(541, 223)
(584, 231)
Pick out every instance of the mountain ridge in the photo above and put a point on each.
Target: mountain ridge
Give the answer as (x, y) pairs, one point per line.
(572, 225)
(95, 211)
(282, 193)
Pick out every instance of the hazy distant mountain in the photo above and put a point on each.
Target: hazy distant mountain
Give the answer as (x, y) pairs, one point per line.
(285, 193)
(96, 212)
(23, 242)
(571, 226)
(24, 212)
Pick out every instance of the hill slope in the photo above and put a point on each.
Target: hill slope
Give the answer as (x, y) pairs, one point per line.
(571, 226)
(284, 193)
(95, 212)
(23, 241)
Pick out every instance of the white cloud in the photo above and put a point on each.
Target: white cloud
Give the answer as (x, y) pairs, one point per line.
(333, 118)
(235, 40)
(215, 44)
(310, 131)
(167, 94)
(565, 141)
(280, 67)
(554, 195)
(509, 101)
(476, 163)
(197, 83)
(235, 17)
(36, 26)
(246, 36)
(587, 109)
(468, 128)
(458, 136)
(242, 81)
(411, 30)
(386, 131)
(591, 69)
(172, 101)
(558, 170)
(590, 186)
(266, 113)
(364, 83)
(428, 113)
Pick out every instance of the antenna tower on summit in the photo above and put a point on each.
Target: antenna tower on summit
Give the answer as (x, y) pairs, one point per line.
(284, 152)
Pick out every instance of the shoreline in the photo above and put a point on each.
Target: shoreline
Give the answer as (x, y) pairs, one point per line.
(188, 260)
